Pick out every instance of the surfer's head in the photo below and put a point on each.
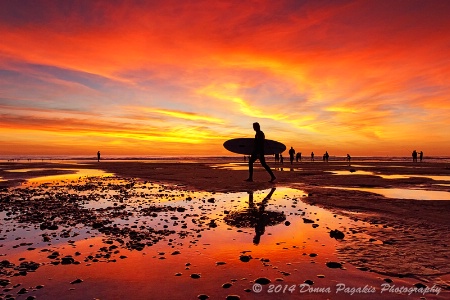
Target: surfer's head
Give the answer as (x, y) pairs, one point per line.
(256, 126)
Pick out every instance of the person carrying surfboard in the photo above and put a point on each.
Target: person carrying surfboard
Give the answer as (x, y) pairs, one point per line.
(258, 153)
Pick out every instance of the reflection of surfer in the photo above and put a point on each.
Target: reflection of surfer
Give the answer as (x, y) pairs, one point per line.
(260, 226)
(258, 153)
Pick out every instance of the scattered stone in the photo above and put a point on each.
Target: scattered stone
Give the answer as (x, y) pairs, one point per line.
(227, 285)
(203, 297)
(309, 282)
(334, 265)
(287, 223)
(420, 285)
(78, 280)
(245, 258)
(195, 276)
(233, 297)
(337, 234)
(307, 221)
(263, 280)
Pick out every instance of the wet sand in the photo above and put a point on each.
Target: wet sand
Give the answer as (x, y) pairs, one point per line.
(153, 228)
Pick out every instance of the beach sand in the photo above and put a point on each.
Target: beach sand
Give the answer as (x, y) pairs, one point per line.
(152, 228)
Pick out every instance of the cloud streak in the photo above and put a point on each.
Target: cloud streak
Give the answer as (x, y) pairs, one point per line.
(342, 76)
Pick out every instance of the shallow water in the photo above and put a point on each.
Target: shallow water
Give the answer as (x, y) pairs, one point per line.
(392, 176)
(137, 240)
(398, 193)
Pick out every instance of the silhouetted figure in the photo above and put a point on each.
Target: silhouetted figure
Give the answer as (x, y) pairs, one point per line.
(258, 153)
(348, 158)
(291, 155)
(312, 156)
(98, 155)
(277, 157)
(281, 158)
(326, 156)
(414, 156)
(298, 156)
(420, 156)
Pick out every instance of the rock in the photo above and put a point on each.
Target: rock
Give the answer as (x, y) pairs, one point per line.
(245, 258)
(337, 234)
(22, 291)
(220, 263)
(227, 285)
(313, 255)
(195, 276)
(334, 265)
(287, 223)
(420, 285)
(309, 282)
(78, 280)
(67, 260)
(388, 280)
(233, 297)
(263, 280)
(305, 220)
(203, 297)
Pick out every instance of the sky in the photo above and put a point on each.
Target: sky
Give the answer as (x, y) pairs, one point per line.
(182, 77)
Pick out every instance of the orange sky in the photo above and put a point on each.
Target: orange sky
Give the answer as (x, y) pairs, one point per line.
(182, 77)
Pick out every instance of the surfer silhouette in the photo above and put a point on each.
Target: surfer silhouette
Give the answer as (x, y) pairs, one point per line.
(98, 155)
(258, 153)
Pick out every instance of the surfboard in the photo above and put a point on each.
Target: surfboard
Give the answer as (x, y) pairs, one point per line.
(245, 146)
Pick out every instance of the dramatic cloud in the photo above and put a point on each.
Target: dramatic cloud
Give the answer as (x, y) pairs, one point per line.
(150, 77)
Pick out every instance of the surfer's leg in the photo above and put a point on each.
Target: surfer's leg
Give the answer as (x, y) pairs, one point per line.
(250, 167)
(264, 164)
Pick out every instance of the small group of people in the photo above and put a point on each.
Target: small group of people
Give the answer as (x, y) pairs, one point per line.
(415, 154)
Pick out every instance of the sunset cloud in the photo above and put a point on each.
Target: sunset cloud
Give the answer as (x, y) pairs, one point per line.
(348, 76)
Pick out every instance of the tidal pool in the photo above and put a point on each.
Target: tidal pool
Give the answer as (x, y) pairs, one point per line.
(112, 238)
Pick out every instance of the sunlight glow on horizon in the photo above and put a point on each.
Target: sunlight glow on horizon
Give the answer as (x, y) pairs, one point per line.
(360, 77)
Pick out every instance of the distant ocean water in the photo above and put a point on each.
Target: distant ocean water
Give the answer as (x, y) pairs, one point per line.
(203, 158)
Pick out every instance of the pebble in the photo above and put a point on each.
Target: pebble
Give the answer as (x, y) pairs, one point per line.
(78, 280)
(263, 280)
(334, 265)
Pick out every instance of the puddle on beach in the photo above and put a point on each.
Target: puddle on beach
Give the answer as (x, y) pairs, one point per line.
(73, 174)
(398, 193)
(112, 238)
(394, 176)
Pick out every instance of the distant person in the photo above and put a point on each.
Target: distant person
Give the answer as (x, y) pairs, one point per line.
(420, 156)
(277, 157)
(326, 156)
(291, 155)
(98, 156)
(312, 156)
(281, 158)
(349, 158)
(258, 153)
(298, 156)
(414, 156)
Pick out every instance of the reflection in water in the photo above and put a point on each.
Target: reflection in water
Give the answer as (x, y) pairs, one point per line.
(256, 216)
